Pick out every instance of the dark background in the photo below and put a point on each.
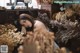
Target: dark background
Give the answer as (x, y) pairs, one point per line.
(20, 0)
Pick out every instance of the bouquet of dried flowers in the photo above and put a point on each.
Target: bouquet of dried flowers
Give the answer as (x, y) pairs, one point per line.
(41, 40)
(9, 37)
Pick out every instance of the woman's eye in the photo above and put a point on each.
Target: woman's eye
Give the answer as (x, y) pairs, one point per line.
(24, 21)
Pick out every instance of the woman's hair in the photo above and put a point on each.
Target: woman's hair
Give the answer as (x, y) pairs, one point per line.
(27, 17)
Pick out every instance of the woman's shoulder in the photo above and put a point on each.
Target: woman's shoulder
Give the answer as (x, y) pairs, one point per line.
(37, 21)
(39, 24)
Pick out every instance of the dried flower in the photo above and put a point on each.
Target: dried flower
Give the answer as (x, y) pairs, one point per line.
(9, 36)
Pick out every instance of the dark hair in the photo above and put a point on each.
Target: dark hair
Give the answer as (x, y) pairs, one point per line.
(29, 18)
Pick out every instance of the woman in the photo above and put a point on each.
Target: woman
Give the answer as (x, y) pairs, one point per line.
(38, 38)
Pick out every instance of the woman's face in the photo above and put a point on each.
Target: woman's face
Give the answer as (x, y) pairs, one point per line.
(26, 23)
